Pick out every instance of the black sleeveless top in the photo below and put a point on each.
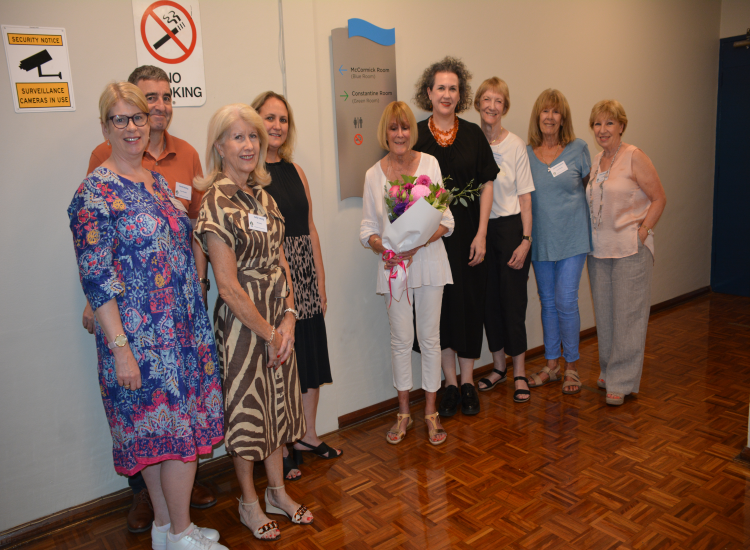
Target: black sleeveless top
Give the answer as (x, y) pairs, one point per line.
(288, 191)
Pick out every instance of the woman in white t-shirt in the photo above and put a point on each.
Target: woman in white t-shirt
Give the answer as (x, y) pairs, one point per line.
(508, 241)
(427, 267)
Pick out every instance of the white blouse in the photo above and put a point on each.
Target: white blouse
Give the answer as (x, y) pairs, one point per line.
(430, 265)
(514, 178)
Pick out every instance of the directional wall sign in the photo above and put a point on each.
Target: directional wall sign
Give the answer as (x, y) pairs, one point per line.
(168, 35)
(39, 69)
(364, 74)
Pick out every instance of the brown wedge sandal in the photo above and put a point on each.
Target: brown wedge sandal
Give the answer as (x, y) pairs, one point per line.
(575, 380)
(435, 432)
(400, 435)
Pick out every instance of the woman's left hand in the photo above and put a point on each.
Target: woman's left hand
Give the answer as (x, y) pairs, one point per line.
(407, 255)
(477, 250)
(286, 329)
(642, 234)
(519, 255)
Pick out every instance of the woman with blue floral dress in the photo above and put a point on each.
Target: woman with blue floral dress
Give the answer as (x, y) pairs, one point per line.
(157, 360)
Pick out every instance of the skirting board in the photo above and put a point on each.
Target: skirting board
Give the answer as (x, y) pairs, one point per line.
(121, 500)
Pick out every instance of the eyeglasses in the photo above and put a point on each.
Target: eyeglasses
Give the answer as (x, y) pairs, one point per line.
(122, 121)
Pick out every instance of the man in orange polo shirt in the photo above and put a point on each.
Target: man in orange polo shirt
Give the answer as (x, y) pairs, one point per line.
(179, 163)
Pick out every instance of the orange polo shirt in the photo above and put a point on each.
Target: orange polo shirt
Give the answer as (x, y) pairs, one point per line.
(179, 162)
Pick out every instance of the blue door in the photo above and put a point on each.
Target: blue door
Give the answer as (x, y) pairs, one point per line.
(730, 257)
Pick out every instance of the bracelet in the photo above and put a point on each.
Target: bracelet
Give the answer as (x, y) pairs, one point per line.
(293, 311)
(273, 333)
(206, 281)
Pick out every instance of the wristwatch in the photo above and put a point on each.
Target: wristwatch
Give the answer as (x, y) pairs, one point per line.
(206, 281)
(293, 311)
(527, 237)
(648, 231)
(120, 341)
(427, 244)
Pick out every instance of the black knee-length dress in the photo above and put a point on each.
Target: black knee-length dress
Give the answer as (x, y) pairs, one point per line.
(310, 340)
(469, 158)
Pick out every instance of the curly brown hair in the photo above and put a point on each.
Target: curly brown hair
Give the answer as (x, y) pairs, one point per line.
(446, 65)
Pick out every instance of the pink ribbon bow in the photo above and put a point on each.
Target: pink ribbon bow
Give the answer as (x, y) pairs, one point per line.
(387, 255)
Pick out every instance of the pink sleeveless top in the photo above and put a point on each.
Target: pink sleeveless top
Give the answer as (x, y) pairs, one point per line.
(625, 206)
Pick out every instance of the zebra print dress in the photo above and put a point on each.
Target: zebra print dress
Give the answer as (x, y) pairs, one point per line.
(263, 407)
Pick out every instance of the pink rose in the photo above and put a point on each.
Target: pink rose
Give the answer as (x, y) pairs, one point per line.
(440, 192)
(393, 191)
(420, 191)
(423, 180)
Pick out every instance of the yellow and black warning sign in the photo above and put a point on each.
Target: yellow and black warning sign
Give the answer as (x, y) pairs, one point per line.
(39, 69)
(32, 95)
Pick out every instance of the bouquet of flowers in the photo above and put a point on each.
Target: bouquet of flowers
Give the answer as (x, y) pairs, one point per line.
(415, 207)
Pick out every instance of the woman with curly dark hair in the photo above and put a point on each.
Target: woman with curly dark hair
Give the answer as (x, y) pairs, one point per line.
(464, 154)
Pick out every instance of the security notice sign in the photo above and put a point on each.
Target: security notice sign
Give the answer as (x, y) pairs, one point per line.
(168, 35)
(39, 69)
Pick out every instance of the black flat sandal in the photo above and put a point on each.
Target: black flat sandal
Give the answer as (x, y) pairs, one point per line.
(323, 450)
(521, 392)
(491, 385)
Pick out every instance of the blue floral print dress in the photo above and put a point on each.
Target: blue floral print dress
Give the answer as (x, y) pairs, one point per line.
(136, 247)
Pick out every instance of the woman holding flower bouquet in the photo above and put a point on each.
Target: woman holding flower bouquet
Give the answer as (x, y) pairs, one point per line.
(428, 267)
(465, 156)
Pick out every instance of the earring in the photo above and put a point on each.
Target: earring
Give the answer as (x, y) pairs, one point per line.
(108, 144)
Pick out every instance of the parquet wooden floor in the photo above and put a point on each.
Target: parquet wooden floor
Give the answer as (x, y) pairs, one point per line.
(562, 472)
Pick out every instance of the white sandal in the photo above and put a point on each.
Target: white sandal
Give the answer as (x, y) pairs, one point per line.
(298, 515)
(260, 532)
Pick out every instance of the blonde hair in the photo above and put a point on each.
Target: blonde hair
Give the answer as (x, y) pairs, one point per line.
(218, 127)
(612, 109)
(497, 85)
(287, 148)
(403, 115)
(120, 91)
(554, 99)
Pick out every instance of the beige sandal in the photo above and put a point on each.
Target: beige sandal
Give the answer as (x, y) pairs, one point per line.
(260, 532)
(400, 435)
(552, 376)
(575, 381)
(431, 419)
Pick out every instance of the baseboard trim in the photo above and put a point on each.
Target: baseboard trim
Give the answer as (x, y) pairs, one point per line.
(362, 415)
(121, 500)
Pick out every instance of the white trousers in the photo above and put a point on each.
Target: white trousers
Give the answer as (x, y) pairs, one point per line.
(427, 302)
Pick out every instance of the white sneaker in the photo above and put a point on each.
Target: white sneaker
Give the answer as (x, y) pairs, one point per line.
(159, 539)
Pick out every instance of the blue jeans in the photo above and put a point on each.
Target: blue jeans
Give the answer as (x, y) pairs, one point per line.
(558, 284)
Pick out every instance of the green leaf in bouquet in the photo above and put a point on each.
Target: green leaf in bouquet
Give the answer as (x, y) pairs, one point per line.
(463, 201)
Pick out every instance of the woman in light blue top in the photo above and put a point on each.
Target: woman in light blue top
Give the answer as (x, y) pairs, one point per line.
(560, 166)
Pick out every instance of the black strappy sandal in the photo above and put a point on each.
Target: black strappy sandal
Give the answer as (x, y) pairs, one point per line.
(521, 392)
(491, 385)
(323, 451)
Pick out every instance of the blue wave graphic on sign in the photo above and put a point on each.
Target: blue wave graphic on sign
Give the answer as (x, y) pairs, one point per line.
(365, 29)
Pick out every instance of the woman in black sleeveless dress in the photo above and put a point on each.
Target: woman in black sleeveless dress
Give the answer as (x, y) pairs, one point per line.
(463, 154)
(290, 189)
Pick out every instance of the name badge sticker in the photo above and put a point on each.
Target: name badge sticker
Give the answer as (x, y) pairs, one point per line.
(498, 157)
(257, 223)
(558, 169)
(182, 191)
(178, 205)
(602, 177)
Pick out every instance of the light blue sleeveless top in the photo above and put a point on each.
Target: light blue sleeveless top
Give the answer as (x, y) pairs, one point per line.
(560, 224)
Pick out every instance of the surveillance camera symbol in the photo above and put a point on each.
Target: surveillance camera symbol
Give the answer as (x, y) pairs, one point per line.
(36, 61)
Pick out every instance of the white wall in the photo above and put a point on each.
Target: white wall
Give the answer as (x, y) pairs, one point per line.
(735, 17)
(56, 449)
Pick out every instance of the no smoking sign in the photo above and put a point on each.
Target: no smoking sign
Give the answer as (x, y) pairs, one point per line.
(168, 35)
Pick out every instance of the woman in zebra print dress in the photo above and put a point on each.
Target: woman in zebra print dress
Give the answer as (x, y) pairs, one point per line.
(242, 231)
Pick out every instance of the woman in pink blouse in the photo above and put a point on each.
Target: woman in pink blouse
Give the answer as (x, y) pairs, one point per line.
(626, 200)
